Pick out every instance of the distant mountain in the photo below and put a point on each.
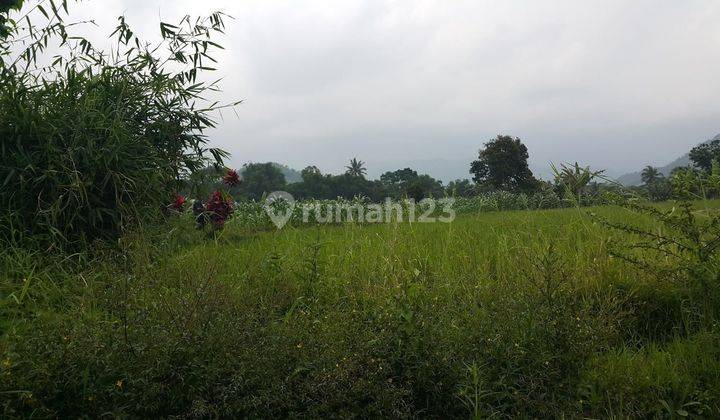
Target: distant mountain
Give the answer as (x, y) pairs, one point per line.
(635, 178)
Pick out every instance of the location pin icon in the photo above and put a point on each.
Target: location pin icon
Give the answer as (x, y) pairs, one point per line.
(279, 215)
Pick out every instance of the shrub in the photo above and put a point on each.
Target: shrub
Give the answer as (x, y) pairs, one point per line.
(219, 209)
(89, 145)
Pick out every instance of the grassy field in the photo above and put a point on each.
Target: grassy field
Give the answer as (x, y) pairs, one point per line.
(499, 314)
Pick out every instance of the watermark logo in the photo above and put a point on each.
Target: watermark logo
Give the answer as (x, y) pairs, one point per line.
(281, 207)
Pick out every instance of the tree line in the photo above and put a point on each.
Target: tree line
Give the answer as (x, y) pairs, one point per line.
(260, 179)
(501, 165)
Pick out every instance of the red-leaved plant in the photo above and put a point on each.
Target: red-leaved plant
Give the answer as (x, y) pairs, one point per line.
(179, 203)
(219, 208)
(231, 178)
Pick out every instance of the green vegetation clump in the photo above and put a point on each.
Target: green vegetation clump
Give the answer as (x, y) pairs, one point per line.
(94, 143)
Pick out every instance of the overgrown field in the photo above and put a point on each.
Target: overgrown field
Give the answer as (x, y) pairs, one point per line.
(498, 314)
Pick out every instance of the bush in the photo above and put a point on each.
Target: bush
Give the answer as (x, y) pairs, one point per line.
(89, 145)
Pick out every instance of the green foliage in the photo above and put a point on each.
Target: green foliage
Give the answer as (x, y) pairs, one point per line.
(353, 184)
(502, 201)
(98, 142)
(657, 187)
(291, 175)
(313, 184)
(691, 183)
(7, 25)
(408, 183)
(398, 182)
(424, 186)
(660, 190)
(316, 185)
(356, 168)
(658, 381)
(252, 214)
(460, 188)
(650, 175)
(260, 179)
(575, 181)
(7, 5)
(503, 165)
(704, 155)
(202, 182)
(686, 249)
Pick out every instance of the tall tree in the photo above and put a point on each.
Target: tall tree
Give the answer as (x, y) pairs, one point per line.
(424, 186)
(313, 184)
(503, 165)
(310, 172)
(397, 182)
(407, 182)
(356, 168)
(703, 155)
(261, 178)
(650, 175)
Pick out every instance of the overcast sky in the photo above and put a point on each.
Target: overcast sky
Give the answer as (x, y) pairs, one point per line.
(612, 84)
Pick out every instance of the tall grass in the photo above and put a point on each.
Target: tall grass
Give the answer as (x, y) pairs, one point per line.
(506, 314)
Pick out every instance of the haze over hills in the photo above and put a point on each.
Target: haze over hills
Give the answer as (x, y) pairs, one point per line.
(635, 178)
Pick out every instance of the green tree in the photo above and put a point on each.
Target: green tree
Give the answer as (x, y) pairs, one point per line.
(397, 182)
(291, 175)
(310, 172)
(703, 155)
(349, 186)
(650, 175)
(407, 182)
(503, 165)
(313, 184)
(658, 188)
(424, 186)
(460, 188)
(261, 178)
(356, 168)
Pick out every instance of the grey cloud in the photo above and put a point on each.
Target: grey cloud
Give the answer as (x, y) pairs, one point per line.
(613, 84)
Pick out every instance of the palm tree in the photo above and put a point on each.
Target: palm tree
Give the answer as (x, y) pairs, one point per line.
(650, 175)
(356, 168)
